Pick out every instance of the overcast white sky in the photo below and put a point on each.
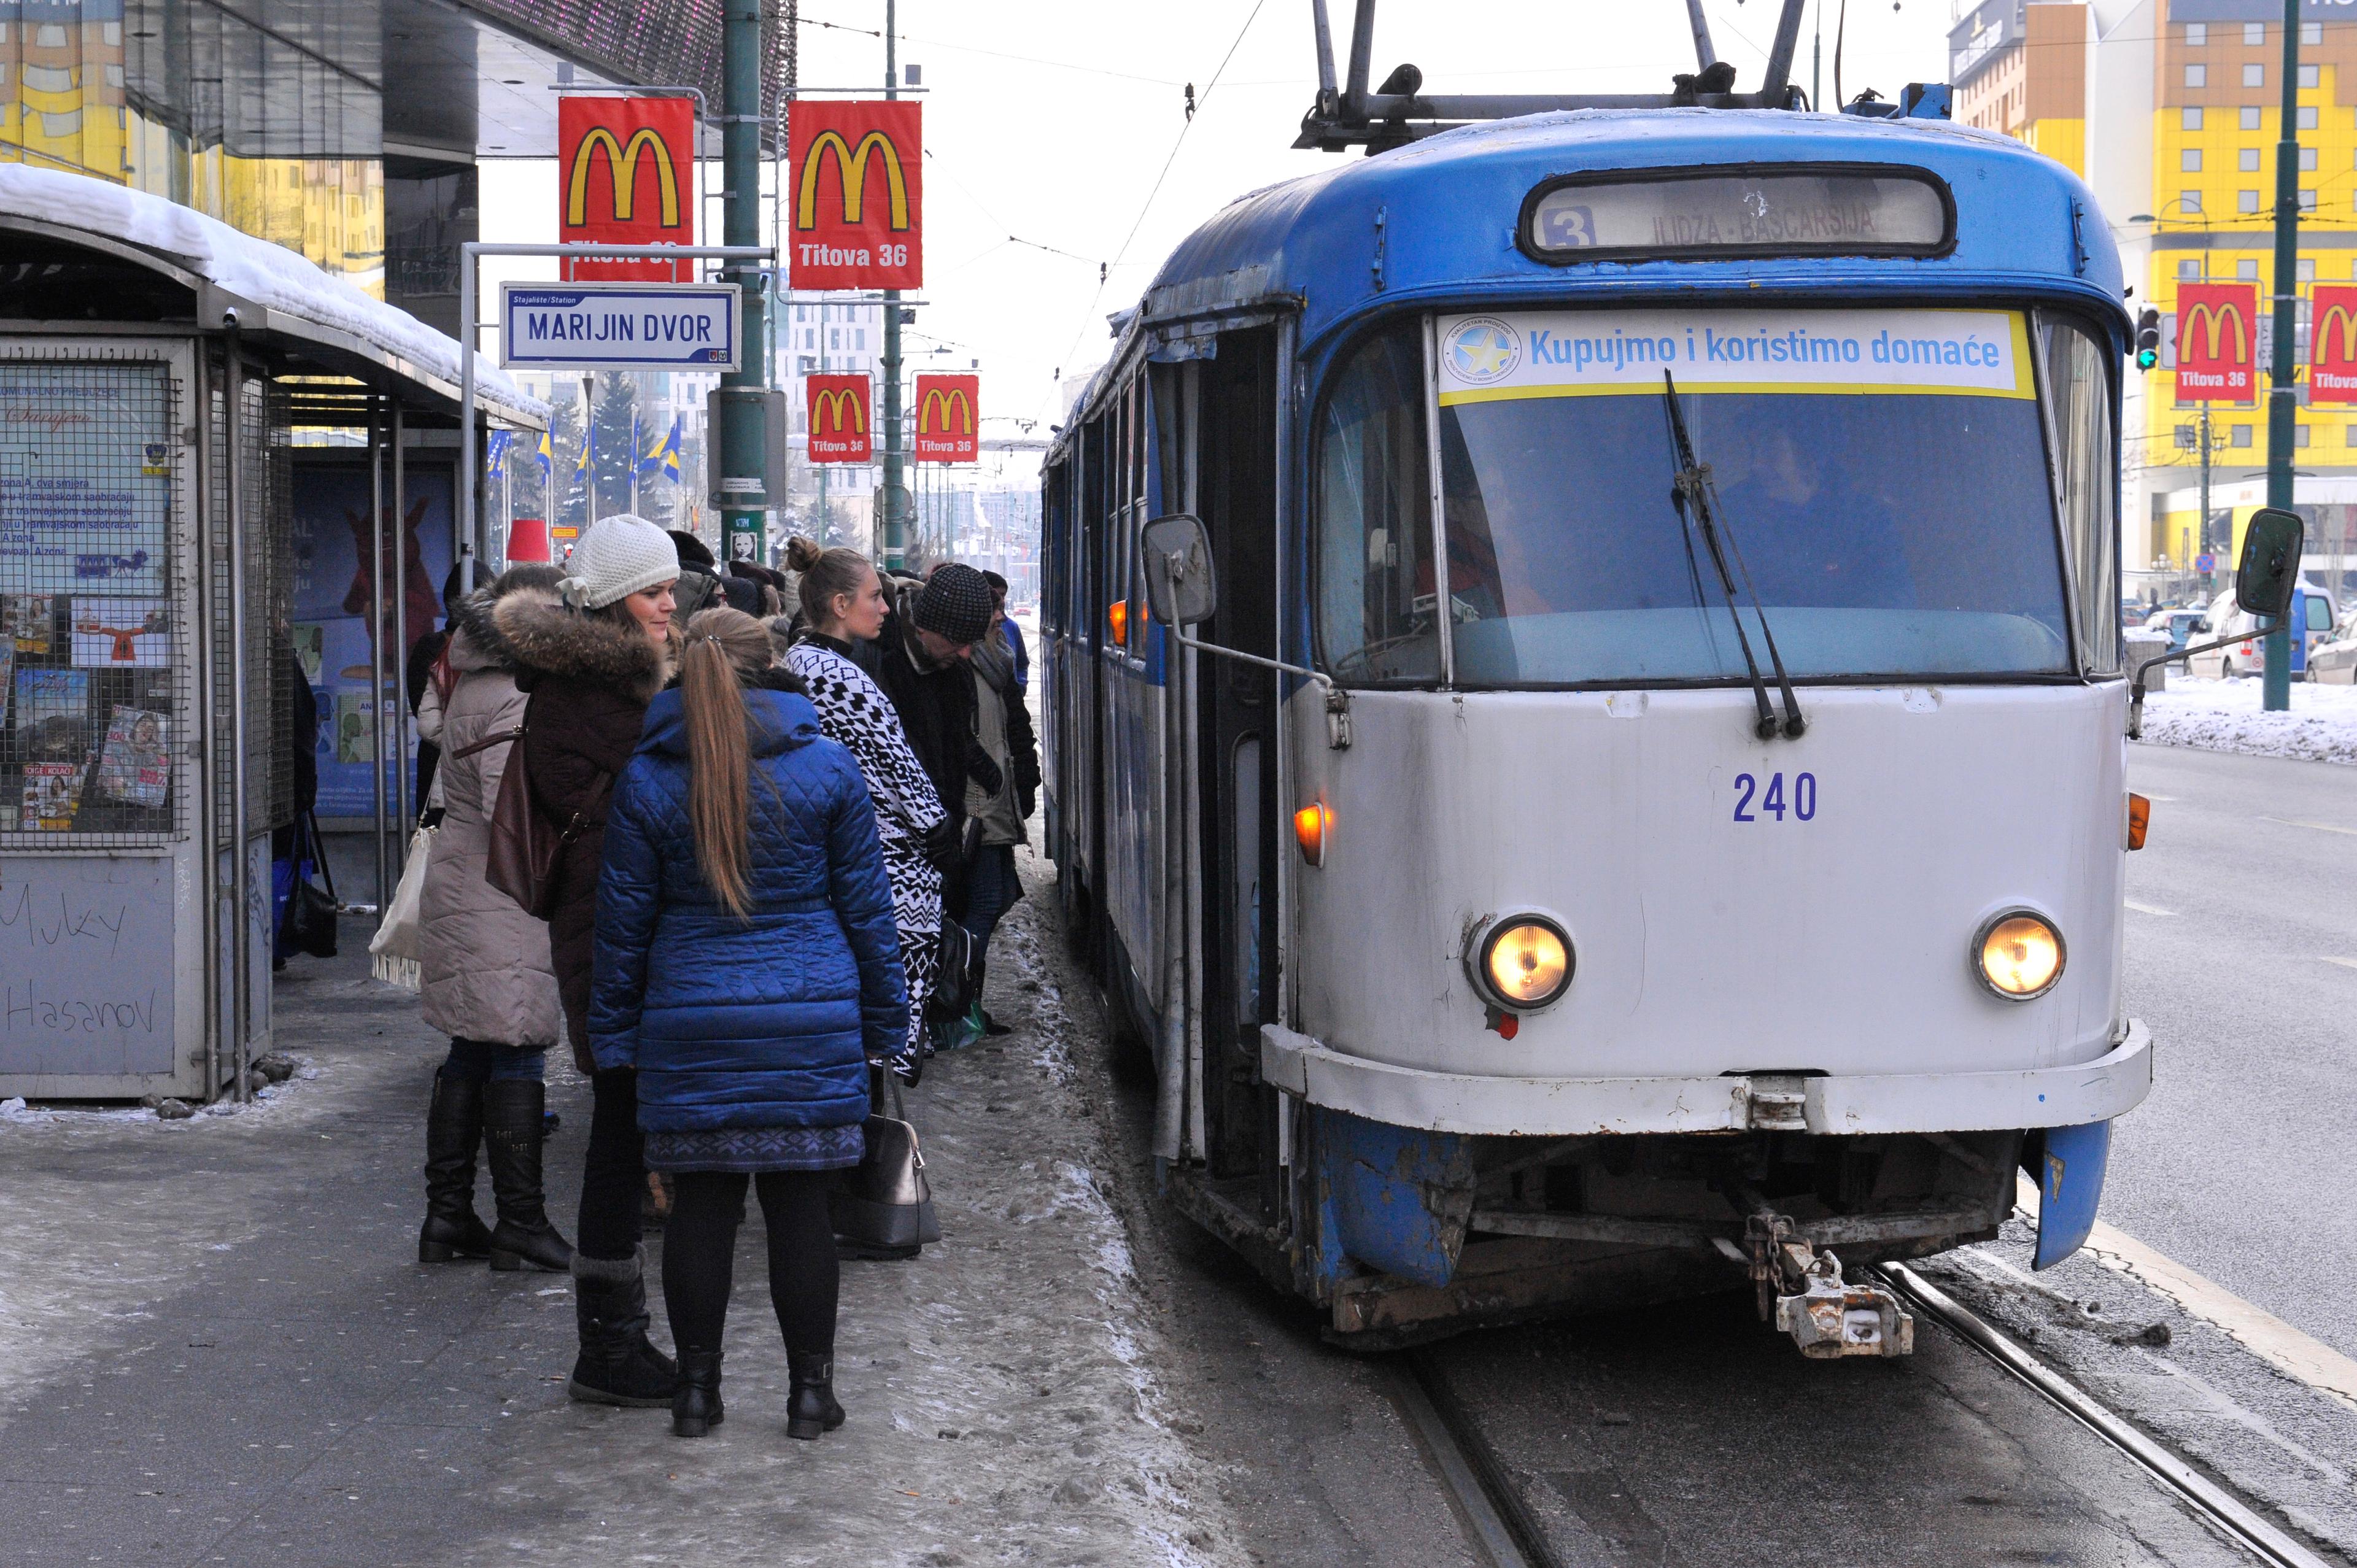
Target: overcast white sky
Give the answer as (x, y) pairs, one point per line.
(1047, 124)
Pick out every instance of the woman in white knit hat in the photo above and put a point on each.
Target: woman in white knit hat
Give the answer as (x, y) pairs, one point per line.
(594, 653)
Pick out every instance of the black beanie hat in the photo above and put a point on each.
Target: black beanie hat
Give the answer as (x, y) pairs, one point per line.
(955, 604)
(692, 552)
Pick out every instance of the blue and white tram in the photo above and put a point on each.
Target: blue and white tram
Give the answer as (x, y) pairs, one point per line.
(1700, 844)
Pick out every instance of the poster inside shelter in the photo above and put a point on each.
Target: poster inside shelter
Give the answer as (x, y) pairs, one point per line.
(85, 478)
(334, 584)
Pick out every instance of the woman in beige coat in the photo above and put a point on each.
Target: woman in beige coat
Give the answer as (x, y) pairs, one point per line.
(483, 962)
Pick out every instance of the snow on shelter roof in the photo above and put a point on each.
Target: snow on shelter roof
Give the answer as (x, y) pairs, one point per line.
(315, 304)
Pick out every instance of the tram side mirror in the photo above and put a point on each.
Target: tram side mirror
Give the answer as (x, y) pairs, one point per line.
(2269, 572)
(1181, 589)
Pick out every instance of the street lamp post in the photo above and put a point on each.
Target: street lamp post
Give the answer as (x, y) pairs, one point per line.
(2283, 404)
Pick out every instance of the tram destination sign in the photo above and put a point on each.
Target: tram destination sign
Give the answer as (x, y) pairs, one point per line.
(619, 326)
(1820, 211)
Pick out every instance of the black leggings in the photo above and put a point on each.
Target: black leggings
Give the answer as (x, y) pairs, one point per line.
(614, 1174)
(700, 1252)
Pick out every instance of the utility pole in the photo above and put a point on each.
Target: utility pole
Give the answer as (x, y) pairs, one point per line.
(2205, 490)
(744, 433)
(893, 498)
(2283, 403)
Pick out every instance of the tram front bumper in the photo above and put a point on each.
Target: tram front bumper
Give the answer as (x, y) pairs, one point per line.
(2068, 1096)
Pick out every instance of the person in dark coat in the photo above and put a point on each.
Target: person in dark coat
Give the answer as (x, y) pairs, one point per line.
(925, 644)
(426, 669)
(748, 969)
(1008, 632)
(590, 658)
(703, 585)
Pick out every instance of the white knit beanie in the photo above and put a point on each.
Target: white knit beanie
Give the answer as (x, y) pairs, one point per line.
(619, 556)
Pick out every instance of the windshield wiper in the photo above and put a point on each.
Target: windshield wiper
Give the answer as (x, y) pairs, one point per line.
(1696, 495)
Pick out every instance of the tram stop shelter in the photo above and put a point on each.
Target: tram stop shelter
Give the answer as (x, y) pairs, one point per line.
(222, 473)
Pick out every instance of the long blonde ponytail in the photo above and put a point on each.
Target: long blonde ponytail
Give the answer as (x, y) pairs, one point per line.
(722, 649)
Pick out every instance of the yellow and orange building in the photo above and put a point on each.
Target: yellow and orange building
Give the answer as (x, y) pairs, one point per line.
(2171, 111)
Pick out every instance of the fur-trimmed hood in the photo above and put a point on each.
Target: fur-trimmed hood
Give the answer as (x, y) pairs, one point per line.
(544, 635)
(476, 642)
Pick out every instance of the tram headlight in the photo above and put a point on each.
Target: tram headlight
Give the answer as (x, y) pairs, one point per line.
(2018, 954)
(1522, 962)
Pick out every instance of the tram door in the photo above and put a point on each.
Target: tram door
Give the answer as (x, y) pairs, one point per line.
(1235, 494)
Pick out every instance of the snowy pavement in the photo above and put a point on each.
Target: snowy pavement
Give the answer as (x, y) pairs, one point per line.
(216, 1345)
(2227, 716)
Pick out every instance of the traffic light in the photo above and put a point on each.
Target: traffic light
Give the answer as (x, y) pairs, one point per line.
(2147, 347)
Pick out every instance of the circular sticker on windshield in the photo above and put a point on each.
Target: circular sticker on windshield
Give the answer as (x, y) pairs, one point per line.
(1482, 349)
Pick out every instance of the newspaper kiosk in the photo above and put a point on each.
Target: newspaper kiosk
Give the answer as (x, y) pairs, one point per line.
(155, 370)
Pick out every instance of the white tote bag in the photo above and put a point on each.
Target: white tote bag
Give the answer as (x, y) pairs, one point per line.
(394, 946)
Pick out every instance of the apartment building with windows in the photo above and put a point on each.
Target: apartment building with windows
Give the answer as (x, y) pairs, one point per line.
(2171, 111)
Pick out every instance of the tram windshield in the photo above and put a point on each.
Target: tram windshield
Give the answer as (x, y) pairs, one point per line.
(1896, 517)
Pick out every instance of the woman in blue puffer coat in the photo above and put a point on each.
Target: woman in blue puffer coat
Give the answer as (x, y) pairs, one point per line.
(746, 964)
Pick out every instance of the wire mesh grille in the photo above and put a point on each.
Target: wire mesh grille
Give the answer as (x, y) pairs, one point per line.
(93, 489)
(262, 489)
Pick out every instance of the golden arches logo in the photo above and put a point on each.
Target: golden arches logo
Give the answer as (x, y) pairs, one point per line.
(2218, 320)
(851, 166)
(622, 171)
(2342, 317)
(831, 405)
(953, 404)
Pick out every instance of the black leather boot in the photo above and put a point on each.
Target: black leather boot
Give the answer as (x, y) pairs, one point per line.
(696, 1408)
(454, 1125)
(810, 1408)
(618, 1364)
(511, 1145)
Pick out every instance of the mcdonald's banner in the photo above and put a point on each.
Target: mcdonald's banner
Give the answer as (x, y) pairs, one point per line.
(626, 174)
(2217, 341)
(857, 195)
(841, 421)
(2332, 346)
(948, 410)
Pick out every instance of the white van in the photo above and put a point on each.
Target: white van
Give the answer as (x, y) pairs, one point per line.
(2226, 619)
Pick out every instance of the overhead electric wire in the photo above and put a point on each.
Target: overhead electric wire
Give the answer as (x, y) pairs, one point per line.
(1203, 101)
(994, 54)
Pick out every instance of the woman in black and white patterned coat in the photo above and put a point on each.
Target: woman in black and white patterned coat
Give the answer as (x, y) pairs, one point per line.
(842, 599)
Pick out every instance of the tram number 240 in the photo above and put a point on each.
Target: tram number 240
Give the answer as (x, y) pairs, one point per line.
(1801, 801)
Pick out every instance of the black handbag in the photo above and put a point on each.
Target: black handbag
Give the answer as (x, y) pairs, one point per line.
(957, 976)
(885, 1203)
(311, 914)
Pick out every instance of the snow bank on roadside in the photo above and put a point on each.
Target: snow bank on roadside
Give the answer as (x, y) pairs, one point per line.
(2226, 715)
(252, 269)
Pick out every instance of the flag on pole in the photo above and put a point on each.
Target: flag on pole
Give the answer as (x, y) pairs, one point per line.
(495, 452)
(663, 457)
(547, 458)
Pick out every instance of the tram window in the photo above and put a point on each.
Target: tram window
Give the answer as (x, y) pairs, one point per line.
(2079, 400)
(1888, 532)
(1376, 594)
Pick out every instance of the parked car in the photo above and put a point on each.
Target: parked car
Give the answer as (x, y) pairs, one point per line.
(2248, 657)
(2335, 662)
(2180, 625)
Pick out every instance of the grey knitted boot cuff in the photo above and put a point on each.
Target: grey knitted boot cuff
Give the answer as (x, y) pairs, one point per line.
(618, 1270)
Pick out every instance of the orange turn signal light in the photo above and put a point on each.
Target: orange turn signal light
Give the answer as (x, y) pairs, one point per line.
(2139, 818)
(1311, 824)
(1117, 617)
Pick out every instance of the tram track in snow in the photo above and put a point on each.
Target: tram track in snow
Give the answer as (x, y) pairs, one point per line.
(1503, 1531)
(2220, 1507)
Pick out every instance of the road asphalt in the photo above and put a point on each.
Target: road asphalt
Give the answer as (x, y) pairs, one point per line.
(2242, 957)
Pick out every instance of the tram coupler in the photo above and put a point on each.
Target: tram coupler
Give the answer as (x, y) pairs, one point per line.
(1802, 1292)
